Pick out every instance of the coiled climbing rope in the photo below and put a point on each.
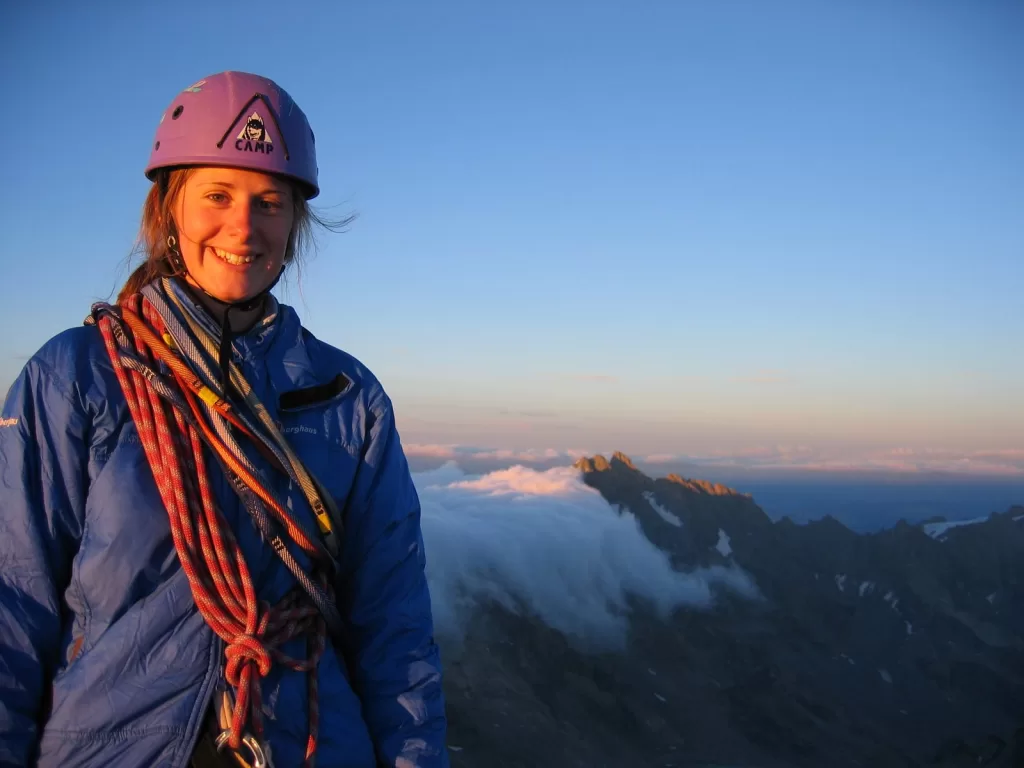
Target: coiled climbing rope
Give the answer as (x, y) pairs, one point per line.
(176, 413)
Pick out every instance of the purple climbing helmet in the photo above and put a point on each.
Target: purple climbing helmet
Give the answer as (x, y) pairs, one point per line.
(238, 120)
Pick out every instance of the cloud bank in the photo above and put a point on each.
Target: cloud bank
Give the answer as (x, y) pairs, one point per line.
(781, 458)
(1007, 462)
(544, 543)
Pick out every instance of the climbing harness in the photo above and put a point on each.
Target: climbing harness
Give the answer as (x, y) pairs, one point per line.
(167, 379)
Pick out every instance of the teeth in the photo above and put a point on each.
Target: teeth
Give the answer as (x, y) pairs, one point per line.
(232, 258)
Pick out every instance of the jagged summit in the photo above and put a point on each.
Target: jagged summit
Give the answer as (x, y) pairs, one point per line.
(621, 458)
(588, 464)
(598, 463)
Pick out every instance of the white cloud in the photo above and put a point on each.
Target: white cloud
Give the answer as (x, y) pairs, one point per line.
(1006, 462)
(533, 454)
(465, 452)
(997, 462)
(547, 544)
(430, 449)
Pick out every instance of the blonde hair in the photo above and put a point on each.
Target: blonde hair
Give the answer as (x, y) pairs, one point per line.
(157, 224)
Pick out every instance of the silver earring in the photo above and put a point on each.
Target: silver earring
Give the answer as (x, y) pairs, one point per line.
(174, 256)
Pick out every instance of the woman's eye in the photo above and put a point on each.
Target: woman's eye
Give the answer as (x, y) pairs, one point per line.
(270, 205)
(217, 197)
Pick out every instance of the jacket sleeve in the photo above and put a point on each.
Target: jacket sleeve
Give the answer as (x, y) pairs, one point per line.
(43, 471)
(395, 663)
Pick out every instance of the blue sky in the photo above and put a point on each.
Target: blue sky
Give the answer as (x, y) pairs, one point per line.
(677, 228)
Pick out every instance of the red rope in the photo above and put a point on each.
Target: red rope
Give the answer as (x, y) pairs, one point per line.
(223, 590)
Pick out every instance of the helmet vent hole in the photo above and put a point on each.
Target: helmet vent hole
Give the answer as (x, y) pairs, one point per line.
(156, 146)
(177, 112)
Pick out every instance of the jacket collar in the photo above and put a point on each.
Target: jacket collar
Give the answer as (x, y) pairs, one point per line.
(255, 342)
(277, 339)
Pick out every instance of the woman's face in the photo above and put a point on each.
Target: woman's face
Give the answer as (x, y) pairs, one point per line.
(233, 227)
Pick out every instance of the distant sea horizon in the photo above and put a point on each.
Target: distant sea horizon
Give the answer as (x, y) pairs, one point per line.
(871, 505)
(866, 500)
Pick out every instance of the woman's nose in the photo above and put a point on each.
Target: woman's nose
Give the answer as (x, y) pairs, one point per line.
(241, 220)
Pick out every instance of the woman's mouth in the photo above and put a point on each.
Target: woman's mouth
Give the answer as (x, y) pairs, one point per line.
(234, 258)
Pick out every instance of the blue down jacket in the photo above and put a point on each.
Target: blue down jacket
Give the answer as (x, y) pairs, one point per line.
(104, 659)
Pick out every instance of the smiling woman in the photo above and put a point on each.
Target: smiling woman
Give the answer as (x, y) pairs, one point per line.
(255, 214)
(252, 521)
(238, 226)
(229, 234)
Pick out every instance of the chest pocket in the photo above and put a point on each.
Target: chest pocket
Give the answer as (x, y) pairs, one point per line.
(317, 395)
(319, 423)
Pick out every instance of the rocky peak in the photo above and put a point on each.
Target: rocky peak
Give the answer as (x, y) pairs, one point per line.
(620, 462)
(703, 486)
(620, 458)
(587, 464)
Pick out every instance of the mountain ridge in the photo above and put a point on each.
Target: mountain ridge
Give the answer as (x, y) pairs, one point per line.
(892, 648)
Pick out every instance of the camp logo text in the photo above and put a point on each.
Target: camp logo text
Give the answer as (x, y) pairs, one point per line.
(254, 137)
(8, 422)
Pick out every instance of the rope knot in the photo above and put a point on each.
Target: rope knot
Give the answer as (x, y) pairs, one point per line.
(244, 650)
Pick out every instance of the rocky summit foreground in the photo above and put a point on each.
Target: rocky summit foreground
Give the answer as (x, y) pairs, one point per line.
(898, 648)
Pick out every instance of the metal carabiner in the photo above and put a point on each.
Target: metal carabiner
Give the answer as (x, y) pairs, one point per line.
(259, 757)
